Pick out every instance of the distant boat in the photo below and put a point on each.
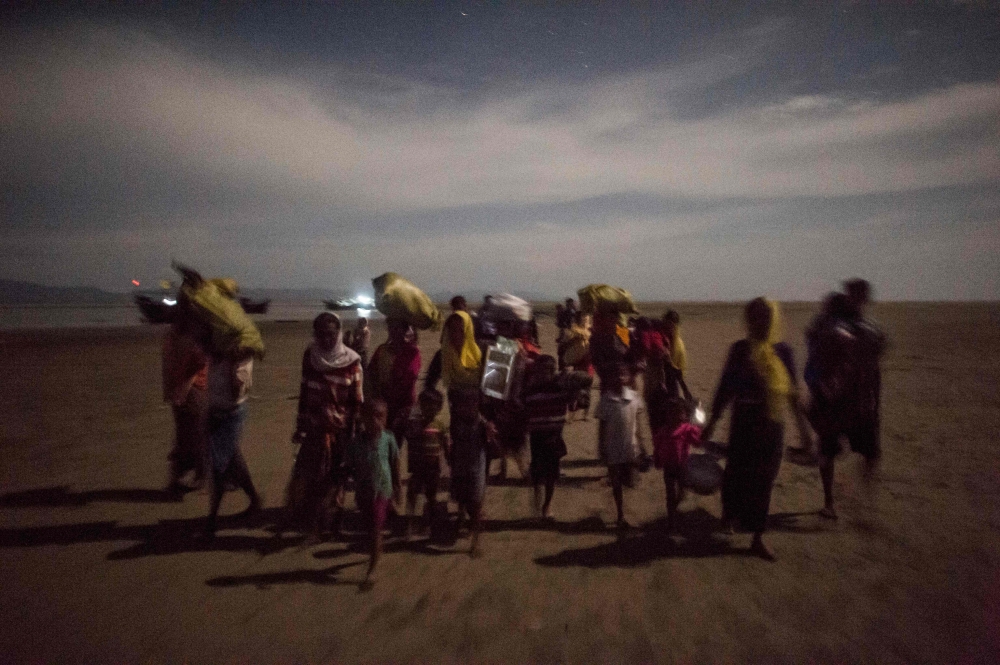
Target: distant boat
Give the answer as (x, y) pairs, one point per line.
(254, 306)
(341, 305)
(155, 310)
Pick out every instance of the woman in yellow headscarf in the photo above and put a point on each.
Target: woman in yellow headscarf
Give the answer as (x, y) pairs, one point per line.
(461, 370)
(758, 379)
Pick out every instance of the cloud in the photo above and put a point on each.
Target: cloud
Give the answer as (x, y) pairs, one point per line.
(113, 138)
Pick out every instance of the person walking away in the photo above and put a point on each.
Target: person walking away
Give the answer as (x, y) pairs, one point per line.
(185, 382)
(848, 378)
(619, 435)
(330, 398)
(609, 347)
(393, 372)
(565, 315)
(360, 340)
(574, 355)
(374, 460)
(758, 380)
(461, 370)
(669, 404)
(547, 398)
(229, 380)
(427, 443)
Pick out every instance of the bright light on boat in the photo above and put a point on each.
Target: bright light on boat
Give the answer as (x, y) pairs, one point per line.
(363, 300)
(168, 301)
(364, 312)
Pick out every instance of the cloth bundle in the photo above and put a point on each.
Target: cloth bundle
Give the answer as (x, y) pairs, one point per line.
(214, 302)
(605, 299)
(398, 297)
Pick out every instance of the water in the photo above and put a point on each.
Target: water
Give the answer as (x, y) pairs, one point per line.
(19, 317)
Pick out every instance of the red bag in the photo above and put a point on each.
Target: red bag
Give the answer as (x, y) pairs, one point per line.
(671, 449)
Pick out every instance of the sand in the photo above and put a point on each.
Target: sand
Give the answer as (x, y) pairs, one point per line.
(98, 567)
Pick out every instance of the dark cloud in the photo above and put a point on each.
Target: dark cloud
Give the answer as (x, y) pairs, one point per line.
(714, 148)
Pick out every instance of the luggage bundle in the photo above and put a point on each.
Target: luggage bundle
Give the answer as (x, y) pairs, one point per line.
(213, 301)
(397, 297)
(604, 299)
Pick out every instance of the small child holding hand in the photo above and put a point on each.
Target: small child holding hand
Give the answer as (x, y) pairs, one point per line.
(374, 458)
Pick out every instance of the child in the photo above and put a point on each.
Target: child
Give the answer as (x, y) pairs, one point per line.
(671, 447)
(547, 397)
(360, 340)
(427, 435)
(619, 439)
(374, 458)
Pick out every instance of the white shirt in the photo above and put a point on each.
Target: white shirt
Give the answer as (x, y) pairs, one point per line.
(619, 411)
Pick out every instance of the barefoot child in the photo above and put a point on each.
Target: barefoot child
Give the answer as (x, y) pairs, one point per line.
(671, 447)
(374, 458)
(428, 441)
(619, 438)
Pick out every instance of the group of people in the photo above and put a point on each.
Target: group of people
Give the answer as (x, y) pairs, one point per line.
(354, 416)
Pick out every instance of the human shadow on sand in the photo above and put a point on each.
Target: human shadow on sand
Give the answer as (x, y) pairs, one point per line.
(697, 535)
(63, 496)
(322, 577)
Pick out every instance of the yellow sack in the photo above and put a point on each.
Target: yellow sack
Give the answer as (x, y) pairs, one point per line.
(399, 298)
(232, 331)
(606, 299)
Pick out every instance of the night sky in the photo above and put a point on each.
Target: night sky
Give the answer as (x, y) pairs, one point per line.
(690, 151)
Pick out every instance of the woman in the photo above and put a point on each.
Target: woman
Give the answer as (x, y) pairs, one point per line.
(392, 374)
(329, 401)
(758, 379)
(461, 369)
(668, 402)
(574, 354)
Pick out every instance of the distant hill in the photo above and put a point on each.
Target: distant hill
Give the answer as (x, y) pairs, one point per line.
(27, 293)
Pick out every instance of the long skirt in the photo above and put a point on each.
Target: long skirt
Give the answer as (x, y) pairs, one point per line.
(468, 447)
(317, 481)
(190, 451)
(756, 444)
(547, 448)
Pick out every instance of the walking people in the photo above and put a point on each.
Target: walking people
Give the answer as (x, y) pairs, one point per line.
(845, 382)
(758, 380)
(461, 370)
(392, 374)
(229, 380)
(373, 458)
(360, 340)
(574, 355)
(428, 443)
(330, 398)
(547, 397)
(620, 441)
(185, 382)
(669, 404)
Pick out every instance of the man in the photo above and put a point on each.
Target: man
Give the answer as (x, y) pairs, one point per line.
(229, 380)
(845, 381)
(565, 315)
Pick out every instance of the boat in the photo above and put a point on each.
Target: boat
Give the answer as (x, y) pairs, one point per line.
(341, 305)
(254, 306)
(155, 310)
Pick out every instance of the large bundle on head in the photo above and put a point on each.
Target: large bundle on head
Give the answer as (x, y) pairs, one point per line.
(508, 307)
(604, 299)
(214, 302)
(397, 297)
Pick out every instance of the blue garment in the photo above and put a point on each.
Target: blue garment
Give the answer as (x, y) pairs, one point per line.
(225, 426)
(372, 465)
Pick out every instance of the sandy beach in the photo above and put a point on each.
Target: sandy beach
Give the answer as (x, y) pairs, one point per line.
(100, 567)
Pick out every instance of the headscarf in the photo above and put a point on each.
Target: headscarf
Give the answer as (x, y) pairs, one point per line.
(461, 366)
(678, 353)
(769, 366)
(338, 357)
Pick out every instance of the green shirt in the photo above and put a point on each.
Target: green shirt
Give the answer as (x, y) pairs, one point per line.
(372, 464)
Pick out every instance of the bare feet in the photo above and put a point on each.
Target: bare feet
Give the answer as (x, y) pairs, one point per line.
(759, 548)
(828, 512)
